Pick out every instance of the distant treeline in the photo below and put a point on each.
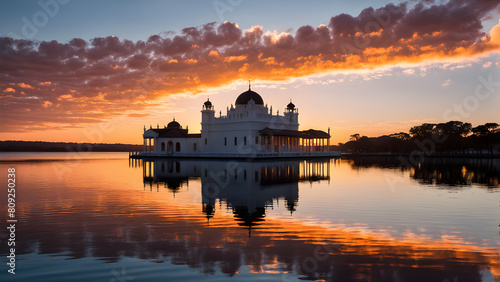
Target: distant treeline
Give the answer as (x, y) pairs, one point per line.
(453, 137)
(39, 146)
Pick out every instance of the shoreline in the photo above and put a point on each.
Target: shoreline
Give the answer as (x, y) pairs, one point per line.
(422, 154)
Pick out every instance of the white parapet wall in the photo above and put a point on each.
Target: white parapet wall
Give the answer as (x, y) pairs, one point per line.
(237, 155)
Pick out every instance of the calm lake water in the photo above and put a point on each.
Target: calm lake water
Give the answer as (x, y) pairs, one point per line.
(107, 218)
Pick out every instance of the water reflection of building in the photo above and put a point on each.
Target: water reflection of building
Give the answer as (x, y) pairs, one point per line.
(120, 227)
(246, 188)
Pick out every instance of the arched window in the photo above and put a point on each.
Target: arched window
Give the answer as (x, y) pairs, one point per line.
(170, 146)
(177, 147)
(163, 146)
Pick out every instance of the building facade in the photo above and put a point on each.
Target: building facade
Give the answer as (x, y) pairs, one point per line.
(248, 129)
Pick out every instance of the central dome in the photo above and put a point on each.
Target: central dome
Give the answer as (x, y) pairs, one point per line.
(173, 124)
(246, 96)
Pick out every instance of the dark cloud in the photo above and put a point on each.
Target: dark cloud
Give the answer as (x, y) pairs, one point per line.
(86, 81)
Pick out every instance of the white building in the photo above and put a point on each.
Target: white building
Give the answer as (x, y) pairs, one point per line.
(249, 129)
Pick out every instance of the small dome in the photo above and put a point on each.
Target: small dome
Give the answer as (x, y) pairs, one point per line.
(173, 124)
(207, 103)
(246, 96)
(290, 106)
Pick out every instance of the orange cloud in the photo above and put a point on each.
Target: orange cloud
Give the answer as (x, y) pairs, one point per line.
(495, 34)
(191, 61)
(47, 104)
(65, 97)
(235, 58)
(24, 85)
(110, 76)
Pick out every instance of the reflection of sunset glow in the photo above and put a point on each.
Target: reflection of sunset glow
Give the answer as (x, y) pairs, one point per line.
(115, 209)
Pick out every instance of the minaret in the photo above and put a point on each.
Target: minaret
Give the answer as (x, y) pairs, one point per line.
(207, 112)
(207, 116)
(292, 113)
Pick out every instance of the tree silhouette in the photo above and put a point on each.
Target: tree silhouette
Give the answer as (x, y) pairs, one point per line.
(453, 133)
(354, 137)
(452, 137)
(422, 131)
(401, 135)
(485, 135)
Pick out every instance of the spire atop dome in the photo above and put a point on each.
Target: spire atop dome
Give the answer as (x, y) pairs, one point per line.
(173, 124)
(248, 95)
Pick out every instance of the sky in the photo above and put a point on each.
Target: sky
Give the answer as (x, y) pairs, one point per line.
(99, 71)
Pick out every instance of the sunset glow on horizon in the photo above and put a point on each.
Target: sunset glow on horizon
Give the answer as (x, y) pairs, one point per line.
(369, 70)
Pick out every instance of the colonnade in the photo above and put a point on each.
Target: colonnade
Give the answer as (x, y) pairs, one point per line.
(293, 144)
(149, 144)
